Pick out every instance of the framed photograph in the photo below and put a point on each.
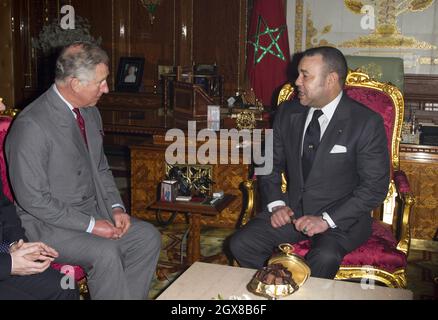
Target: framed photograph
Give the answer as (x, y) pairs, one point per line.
(209, 69)
(129, 74)
(214, 118)
(166, 70)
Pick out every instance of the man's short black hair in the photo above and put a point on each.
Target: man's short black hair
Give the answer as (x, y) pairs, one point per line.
(334, 60)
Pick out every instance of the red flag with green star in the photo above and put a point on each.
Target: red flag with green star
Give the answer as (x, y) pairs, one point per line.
(268, 48)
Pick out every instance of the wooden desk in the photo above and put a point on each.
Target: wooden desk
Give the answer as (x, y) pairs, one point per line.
(148, 168)
(420, 163)
(194, 211)
(204, 281)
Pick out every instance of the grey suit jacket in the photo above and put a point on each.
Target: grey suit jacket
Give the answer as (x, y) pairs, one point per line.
(346, 185)
(58, 182)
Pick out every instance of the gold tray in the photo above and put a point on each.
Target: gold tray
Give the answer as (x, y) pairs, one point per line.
(294, 263)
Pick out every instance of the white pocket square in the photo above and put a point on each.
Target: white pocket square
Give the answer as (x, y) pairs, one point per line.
(339, 149)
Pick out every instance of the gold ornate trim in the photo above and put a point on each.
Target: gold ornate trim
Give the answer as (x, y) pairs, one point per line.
(285, 93)
(249, 210)
(245, 120)
(397, 279)
(299, 16)
(10, 112)
(405, 234)
(83, 289)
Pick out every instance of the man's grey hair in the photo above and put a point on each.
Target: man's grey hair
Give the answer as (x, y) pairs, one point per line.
(79, 60)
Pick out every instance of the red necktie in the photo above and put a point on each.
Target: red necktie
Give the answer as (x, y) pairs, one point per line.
(81, 124)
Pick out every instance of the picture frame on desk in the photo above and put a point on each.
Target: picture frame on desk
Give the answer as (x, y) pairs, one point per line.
(166, 76)
(205, 69)
(130, 74)
(166, 70)
(213, 117)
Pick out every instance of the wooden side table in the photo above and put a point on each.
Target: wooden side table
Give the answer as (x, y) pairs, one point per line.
(194, 211)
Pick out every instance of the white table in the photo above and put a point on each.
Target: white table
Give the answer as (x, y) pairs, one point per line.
(203, 281)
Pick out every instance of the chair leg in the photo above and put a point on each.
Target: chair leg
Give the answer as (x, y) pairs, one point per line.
(83, 289)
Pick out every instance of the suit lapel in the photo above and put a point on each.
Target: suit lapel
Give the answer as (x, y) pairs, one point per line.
(335, 128)
(65, 121)
(90, 129)
(297, 124)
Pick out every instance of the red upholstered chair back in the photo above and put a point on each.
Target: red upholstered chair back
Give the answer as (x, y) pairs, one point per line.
(383, 99)
(5, 122)
(377, 101)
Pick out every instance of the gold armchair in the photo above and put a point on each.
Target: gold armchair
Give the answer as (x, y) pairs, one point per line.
(383, 257)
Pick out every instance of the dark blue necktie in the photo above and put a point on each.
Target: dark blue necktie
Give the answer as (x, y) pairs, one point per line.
(311, 143)
(4, 248)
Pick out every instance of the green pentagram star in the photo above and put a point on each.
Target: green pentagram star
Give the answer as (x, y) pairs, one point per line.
(272, 46)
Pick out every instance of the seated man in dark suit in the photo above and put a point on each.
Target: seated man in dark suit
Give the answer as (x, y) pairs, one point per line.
(335, 155)
(25, 272)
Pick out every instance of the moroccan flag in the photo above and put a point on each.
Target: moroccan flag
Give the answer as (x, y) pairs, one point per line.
(268, 49)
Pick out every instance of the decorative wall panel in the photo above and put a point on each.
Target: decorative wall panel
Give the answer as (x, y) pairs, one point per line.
(408, 29)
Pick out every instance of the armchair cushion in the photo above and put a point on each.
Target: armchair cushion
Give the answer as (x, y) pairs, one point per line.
(379, 251)
(78, 271)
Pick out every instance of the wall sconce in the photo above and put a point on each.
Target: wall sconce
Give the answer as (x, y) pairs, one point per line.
(151, 7)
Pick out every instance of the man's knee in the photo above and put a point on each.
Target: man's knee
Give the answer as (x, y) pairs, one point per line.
(69, 294)
(151, 237)
(324, 263)
(237, 245)
(154, 240)
(109, 253)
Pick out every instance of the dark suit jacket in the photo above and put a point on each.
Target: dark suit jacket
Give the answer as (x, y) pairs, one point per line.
(10, 231)
(345, 185)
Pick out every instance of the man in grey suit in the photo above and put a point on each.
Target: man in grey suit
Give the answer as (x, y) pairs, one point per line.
(66, 194)
(335, 155)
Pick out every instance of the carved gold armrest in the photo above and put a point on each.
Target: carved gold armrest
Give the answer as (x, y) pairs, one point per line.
(407, 200)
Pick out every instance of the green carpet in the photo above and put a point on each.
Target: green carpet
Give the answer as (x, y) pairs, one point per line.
(169, 264)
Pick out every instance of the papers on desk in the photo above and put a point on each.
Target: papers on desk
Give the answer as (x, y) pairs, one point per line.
(183, 198)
